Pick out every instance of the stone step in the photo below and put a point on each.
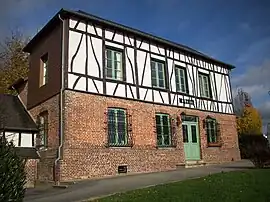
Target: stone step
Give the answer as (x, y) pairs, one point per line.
(193, 164)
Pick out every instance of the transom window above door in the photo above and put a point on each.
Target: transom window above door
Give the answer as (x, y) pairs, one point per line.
(114, 64)
(158, 74)
(181, 79)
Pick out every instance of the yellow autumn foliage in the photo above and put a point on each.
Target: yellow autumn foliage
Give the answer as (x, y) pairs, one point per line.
(250, 122)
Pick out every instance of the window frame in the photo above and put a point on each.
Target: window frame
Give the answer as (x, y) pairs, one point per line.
(44, 69)
(116, 135)
(211, 127)
(44, 127)
(122, 62)
(156, 61)
(162, 130)
(202, 87)
(178, 87)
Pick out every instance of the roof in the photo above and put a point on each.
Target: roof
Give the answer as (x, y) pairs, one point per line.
(18, 83)
(65, 13)
(13, 115)
(27, 152)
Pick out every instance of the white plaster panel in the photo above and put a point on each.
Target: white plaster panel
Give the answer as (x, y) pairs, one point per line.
(91, 86)
(99, 85)
(182, 57)
(121, 91)
(72, 23)
(145, 45)
(81, 85)
(94, 63)
(129, 40)
(81, 26)
(176, 55)
(107, 43)
(165, 97)
(158, 57)
(141, 55)
(130, 66)
(109, 34)
(157, 97)
(118, 37)
(71, 80)
(110, 86)
(171, 71)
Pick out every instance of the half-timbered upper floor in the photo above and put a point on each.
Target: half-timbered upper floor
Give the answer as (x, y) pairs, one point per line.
(102, 57)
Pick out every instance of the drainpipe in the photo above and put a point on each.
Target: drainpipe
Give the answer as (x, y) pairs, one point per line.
(56, 163)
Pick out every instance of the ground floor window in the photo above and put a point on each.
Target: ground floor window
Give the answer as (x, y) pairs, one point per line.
(163, 128)
(211, 130)
(117, 127)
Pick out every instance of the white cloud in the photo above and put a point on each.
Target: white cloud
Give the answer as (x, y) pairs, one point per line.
(256, 82)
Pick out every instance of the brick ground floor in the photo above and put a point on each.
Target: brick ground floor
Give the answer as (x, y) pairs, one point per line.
(86, 153)
(86, 149)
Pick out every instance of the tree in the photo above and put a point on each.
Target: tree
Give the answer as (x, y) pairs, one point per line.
(12, 174)
(13, 61)
(240, 101)
(250, 122)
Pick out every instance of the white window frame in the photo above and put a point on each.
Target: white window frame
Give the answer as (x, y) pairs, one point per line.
(117, 70)
(204, 85)
(44, 61)
(181, 87)
(156, 72)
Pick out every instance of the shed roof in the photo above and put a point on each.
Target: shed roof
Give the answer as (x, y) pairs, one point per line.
(13, 115)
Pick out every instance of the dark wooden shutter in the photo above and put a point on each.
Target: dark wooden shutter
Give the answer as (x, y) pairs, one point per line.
(129, 128)
(218, 126)
(106, 128)
(173, 131)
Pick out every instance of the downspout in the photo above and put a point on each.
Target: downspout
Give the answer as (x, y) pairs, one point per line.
(56, 163)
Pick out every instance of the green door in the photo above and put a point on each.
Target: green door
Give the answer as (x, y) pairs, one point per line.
(191, 140)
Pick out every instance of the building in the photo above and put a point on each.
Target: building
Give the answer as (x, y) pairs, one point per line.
(115, 99)
(17, 125)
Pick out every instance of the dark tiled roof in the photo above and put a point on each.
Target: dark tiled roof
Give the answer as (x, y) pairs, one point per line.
(13, 115)
(65, 13)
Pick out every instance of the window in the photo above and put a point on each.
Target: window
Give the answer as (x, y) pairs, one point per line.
(163, 127)
(204, 84)
(114, 64)
(44, 70)
(117, 127)
(158, 74)
(43, 128)
(181, 80)
(211, 130)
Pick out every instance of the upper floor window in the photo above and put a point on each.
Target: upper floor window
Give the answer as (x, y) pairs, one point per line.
(204, 84)
(114, 64)
(158, 74)
(163, 126)
(181, 80)
(44, 70)
(117, 127)
(43, 128)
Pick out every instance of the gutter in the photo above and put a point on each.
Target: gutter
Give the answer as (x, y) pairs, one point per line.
(61, 129)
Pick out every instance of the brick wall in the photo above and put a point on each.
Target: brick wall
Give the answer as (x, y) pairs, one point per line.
(45, 165)
(85, 153)
(31, 172)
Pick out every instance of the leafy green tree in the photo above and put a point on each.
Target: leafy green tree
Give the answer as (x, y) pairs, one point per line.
(13, 61)
(12, 174)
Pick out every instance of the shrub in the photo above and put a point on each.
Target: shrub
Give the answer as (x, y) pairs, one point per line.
(255, 148)
(12, 174)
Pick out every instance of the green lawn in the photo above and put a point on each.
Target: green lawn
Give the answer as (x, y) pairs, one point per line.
(241, 186)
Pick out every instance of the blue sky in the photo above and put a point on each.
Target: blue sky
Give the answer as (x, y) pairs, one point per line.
(234, 31)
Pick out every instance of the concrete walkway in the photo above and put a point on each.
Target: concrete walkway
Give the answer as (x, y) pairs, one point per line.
(95, 188)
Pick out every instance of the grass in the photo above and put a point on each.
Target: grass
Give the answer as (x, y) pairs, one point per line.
(241, 186)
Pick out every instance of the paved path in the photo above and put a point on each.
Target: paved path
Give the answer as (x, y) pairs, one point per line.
(101, 187)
